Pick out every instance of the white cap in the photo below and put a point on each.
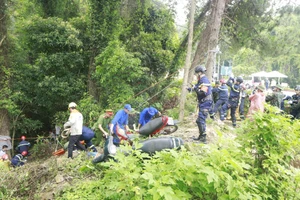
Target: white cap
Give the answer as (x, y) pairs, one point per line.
(72, 104)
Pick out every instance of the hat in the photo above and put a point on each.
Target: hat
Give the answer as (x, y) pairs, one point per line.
(72, 105)
(279, 87)
(151, 111)
(261, 87)
(128, 107)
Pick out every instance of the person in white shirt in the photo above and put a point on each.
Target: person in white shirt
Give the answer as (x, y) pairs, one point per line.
(75, 123)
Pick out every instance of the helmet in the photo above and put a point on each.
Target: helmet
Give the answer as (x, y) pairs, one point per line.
(72, 105)
(239, 79)
(23, 137)
(297, 88)
(5, 157)
(24, 153)
(200, 68)
(222, 81)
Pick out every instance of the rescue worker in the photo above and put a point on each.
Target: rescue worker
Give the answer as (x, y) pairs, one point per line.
(222, 91)
(103, 125)
(203, 90)
(295, 103)
(75, 123)
(276, 98)
(243, 95)
(146, 115)
(23, 145)
(87, 136)
(233, 100)
(119, 125)
(19, 159)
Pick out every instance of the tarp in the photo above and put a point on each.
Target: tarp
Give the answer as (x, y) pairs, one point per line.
(259, 74)
(5, 140)
(276, 74)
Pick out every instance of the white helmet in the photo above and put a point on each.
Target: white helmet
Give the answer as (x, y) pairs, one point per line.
(72, 105)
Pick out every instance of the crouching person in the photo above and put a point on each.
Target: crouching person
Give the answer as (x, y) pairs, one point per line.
(87, 136)
(19, 159)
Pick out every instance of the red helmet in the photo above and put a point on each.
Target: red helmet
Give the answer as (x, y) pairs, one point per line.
(23, 137)
(222, 81)
(5, 157)
(24, 153)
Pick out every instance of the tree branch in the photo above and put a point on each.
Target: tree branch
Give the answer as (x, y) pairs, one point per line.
(2, 40)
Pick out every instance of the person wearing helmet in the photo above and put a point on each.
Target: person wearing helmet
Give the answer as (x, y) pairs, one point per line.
(276, 98)
(75, 123)
(101, 127)
(146, 115)
(233, 100)
(222, 92)
(257, 100)
(295, 106)
(19, 159)
(119, 125)
(203, 90)
(23, 145)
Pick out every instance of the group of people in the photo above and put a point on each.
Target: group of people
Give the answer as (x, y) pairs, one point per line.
(231, 96)
(106, 125)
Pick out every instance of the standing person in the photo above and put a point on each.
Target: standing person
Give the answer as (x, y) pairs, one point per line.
(75, 122)
(276, 98)
(146, 115)
(295, 107)
(267, 83)
(103, 125)
(119, 124)
(87, 135)
(257, 100)
(203, 90)
(23, 145)
(242, 103)
(233, 100)
(223, 96)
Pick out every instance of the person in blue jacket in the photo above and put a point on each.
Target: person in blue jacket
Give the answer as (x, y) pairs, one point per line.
(222, 90)
(233, 101)
(146, 115)
(19, 159)
(119, 124)
(203, 90)
(87, 135)
(23, 145)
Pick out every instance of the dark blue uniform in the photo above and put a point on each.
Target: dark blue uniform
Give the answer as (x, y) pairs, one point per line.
(223, 97)
(87, 136)
(17, 160)
(233, 101)
(295, 109)
(23, 146)
(204, 103)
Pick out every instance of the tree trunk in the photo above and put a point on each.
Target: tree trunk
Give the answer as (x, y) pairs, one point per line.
(209, 38)
(4, 65)
(187, 62)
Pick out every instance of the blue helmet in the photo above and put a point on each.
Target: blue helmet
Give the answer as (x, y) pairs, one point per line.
(200, 68)
(151, 111)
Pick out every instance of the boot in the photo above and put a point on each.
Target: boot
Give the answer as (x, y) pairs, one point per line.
(242, 117)
(201, 138)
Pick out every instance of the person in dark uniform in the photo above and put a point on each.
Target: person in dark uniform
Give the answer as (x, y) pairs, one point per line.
(203, 90)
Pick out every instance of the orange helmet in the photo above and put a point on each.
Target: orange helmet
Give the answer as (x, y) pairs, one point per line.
(23, 137)
(24, 153)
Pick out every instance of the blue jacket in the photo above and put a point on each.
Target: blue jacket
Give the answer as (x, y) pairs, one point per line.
(145, 116)
(87, 134)
(23, 146)
(234, 89)
(120, 119)
(207, 101)
(17, 160)
(222, 91)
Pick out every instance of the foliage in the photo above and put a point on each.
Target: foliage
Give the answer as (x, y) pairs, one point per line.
(256, 165)
(42, 149)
